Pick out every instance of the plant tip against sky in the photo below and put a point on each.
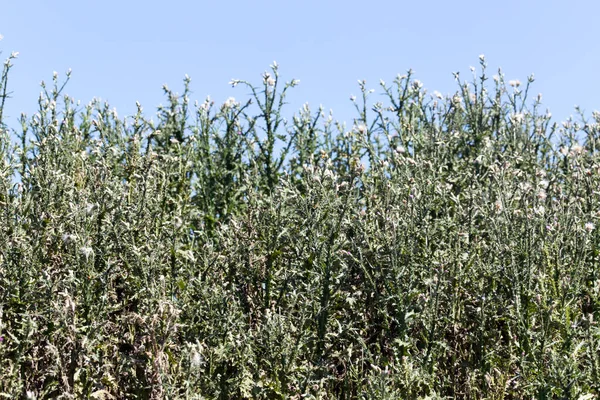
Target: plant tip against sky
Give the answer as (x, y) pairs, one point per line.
(123, 52)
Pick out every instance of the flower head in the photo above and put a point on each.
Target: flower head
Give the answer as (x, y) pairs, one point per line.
(362, 129)
(230, 102)
(87, 252)
(514, 83)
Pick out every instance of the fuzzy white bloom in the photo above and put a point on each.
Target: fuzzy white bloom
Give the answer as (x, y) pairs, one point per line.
(482, 57)
(578, 149)
(417, 84)
(362, 129)
(177, 222)
(205, 106)
(68, 238)
(514, 83)
(564, 151)
(437, 94)
(1, 37)
(230, 102)
(589, 226)
(352, 98)
(517, 118)
(196, 359)
(234, 82)
(270, 81)
(89, 208)
(87, 252)
(498, 206)
(524, 186)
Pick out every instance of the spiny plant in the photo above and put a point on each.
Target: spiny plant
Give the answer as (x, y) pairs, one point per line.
(441, 247)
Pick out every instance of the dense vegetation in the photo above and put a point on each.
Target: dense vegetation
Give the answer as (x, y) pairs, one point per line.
(439, 247)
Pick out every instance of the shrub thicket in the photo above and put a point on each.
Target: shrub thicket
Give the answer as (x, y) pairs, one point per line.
(441, 247)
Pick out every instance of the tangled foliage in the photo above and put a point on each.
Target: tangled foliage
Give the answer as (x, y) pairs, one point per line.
(441, 247)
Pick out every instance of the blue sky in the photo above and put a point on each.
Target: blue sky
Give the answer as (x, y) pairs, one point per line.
(123, 51)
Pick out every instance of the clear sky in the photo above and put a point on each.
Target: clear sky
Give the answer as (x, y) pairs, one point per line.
(123, 51)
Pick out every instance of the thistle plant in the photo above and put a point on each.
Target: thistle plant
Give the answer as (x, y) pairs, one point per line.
(436, 246)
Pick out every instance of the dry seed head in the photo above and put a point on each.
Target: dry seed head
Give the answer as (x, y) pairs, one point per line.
(589, 226)
(87, 252)
(196, 360)
(68, 238)
(498, 206)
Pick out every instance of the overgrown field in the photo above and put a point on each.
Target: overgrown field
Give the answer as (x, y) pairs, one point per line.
(438, 247)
